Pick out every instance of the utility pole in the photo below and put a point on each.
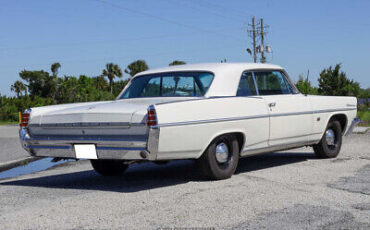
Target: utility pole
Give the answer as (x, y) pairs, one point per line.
(263, 58)
(258, 30)
(254, 41)
(253, 34)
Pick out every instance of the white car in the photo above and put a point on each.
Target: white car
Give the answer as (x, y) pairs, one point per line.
(214, 113)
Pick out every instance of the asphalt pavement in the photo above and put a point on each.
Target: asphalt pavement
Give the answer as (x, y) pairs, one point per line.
(10, 147)
(285, 190)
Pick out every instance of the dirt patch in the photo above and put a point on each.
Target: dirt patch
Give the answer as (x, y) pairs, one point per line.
(358, 183)
(304, 217)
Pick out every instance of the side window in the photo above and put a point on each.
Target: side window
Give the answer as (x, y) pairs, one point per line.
(152, 88)
(271, 83)
(179, 86)
(246, 85)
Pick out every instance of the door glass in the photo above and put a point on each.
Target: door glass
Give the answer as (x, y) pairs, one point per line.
(246, 85)
(271, 83)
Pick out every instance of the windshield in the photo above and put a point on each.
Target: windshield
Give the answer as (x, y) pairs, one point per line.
(174, 84)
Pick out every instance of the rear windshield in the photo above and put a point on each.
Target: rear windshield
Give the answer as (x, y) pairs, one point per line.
(174, 84)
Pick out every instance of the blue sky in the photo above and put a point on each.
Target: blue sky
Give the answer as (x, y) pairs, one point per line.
(83, 35)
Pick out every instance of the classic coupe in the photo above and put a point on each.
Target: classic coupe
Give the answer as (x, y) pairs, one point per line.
(214, 113)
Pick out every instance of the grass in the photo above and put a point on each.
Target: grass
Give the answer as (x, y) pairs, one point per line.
(364, 116)
(8, 122)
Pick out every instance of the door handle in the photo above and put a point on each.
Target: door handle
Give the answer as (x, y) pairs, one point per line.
(272, 104)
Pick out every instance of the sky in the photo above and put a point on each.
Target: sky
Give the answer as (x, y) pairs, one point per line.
(84, 35)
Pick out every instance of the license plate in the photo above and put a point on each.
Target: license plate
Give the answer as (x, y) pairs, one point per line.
(85, 152)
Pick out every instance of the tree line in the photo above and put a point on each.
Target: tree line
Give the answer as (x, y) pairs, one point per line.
(333, 82)
(39, 88)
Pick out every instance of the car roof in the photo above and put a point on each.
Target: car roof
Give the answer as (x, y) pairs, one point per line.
(211, 67)
(227, 75)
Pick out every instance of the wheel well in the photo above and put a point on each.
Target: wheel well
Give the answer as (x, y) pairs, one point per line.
(241, 140)
(342, 118)
(239, 137)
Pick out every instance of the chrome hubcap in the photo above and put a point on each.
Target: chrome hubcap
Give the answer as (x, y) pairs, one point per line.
(222, 153)
(330, 137)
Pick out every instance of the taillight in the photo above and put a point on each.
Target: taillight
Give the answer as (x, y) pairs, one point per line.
(151, 119)
(25, 118)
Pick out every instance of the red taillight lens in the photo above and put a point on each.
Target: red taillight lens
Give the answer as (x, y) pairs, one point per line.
(152, 117)
(25, 118)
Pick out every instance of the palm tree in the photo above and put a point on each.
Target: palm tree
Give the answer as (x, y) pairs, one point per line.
(136, 67)
(177, 62)
(54, 68)
(111, 71)
(100, 82)
(18, 87)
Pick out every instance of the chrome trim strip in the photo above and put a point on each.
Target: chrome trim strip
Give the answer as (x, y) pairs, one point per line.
(95, 139)
(153, 142)
(333, 110)
(291, 114)
(251, 117)
(47, 147)
(207, 98)
(120, 148)
(125, 149)
(255, 83)
(352, 126)
(212, 120)
(281, 147)
(87, 125)
(305, 135)
(184, 100)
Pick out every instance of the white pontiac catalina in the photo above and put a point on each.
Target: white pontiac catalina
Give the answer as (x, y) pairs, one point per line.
(215, 113)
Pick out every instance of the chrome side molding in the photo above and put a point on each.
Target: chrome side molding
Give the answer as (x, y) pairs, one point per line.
(352, 126)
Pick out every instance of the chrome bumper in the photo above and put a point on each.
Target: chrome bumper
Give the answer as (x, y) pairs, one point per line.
(352, 126)
(119, 148)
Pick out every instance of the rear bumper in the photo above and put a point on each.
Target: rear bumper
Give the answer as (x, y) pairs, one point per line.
(119, 148)
(352, 126)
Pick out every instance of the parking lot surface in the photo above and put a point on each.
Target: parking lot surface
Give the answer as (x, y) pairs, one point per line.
(284, 190)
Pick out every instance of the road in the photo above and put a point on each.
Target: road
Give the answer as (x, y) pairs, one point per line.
(10, 147)
(286, 190)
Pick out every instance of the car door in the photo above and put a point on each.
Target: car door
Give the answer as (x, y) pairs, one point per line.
(257, 127)
(290, 113)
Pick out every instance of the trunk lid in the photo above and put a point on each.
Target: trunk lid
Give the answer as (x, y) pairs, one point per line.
(119, 117)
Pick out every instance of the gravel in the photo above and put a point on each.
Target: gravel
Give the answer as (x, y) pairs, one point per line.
(285, 190)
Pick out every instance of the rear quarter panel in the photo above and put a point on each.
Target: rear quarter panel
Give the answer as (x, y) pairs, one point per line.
(325, 107)
(187, 128)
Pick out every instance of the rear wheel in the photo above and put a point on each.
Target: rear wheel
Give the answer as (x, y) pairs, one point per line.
(221, 158)
(109, 167)
(331, 142)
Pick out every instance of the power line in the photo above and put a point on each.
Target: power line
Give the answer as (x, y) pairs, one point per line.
(136, 55)
(223, 8)
(125, 39)
(202, 9)
(162, 18)
(103, 41)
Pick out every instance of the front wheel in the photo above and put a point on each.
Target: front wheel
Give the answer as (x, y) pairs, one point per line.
(221, 158)
(331, 142)
(109, 167)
